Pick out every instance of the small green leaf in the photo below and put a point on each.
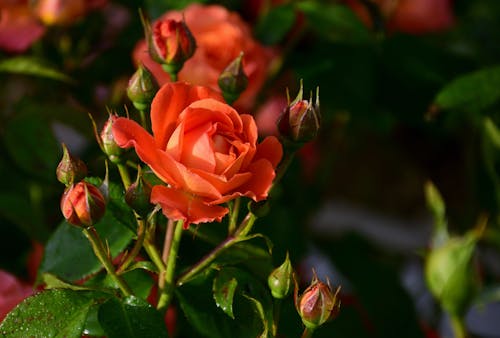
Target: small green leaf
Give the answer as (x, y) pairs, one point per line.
(68, 245)
(273, 27)
(28, 65)
(52, 313)
(143, 265)
(263, 315)
(471, 92)
(53, 282)
(223, 288)
(131, 318)
(436, 205)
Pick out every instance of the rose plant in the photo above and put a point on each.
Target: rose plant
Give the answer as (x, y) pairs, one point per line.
(198, 159)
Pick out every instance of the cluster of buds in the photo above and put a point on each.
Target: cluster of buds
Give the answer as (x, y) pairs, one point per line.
(300, 121)
(82, 203)
(318, 304)
(233, 80)
(170, 43)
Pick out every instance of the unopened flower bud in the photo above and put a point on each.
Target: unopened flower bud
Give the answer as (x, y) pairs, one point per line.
(233, 80)
(450, 275)
(170, 43)
(280, 280)
(301, 119)
(83, 204)
(317, 304)
(138, 195)
(59, 12)
(142, 87)
(70, 169)
(108, 142)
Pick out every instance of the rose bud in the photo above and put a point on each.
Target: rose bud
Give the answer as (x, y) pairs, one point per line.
(109, 146)
(70, 169)
(300, 121)
(138, 195)
(142, 87)
(83, 204)
(450, 275)
(170, 43)
(281, 279)
(317, 304)
(233, 80)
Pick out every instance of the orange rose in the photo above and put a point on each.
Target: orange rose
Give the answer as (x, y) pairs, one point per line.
(203, 149)
(220, 37)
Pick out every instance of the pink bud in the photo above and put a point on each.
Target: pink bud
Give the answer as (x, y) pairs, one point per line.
(83, 204)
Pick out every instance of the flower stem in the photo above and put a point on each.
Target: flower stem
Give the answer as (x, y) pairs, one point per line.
(307, 333)
(241, 231)
(141, 234)
(150, 247)
(142, 115)
(458, 326)
(102, 254)
(167, 245)
(169, 285)
(234, 216)
(124, 175)
(276, 315)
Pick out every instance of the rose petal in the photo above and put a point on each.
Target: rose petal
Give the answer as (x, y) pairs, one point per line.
(257, 187)
(270, 149)
(177, 205)
(197, 152)
(169, 102)
(128, 133)
(222, 184)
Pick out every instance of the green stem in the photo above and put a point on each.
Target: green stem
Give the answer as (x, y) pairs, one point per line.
(150, 247)
(102, 254)
(142, 116)
(242, 231)
(141, 234)
(168, 289)
(307, 333)
(283, 167)
(458, 326)
(124, 175)
(234, 216)
(167, 246)
(276, 315)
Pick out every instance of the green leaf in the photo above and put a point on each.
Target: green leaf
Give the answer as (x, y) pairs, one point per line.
(223, 289)
(272, 28)
(28, 65)
(334, 22)
(263, 315)
(68, 245)
(31, 144)
(52, 313)
(131, 318)
(471, 92)
(139, 281)
(436, 205)
(53, 282)
(143, 265)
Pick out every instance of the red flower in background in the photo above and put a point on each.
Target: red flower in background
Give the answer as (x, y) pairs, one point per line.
(220, 37)
(203, 149)
(409, 16)
(12, 292)
(19, 27)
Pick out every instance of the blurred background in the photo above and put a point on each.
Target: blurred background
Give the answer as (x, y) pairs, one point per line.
(409, 94)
